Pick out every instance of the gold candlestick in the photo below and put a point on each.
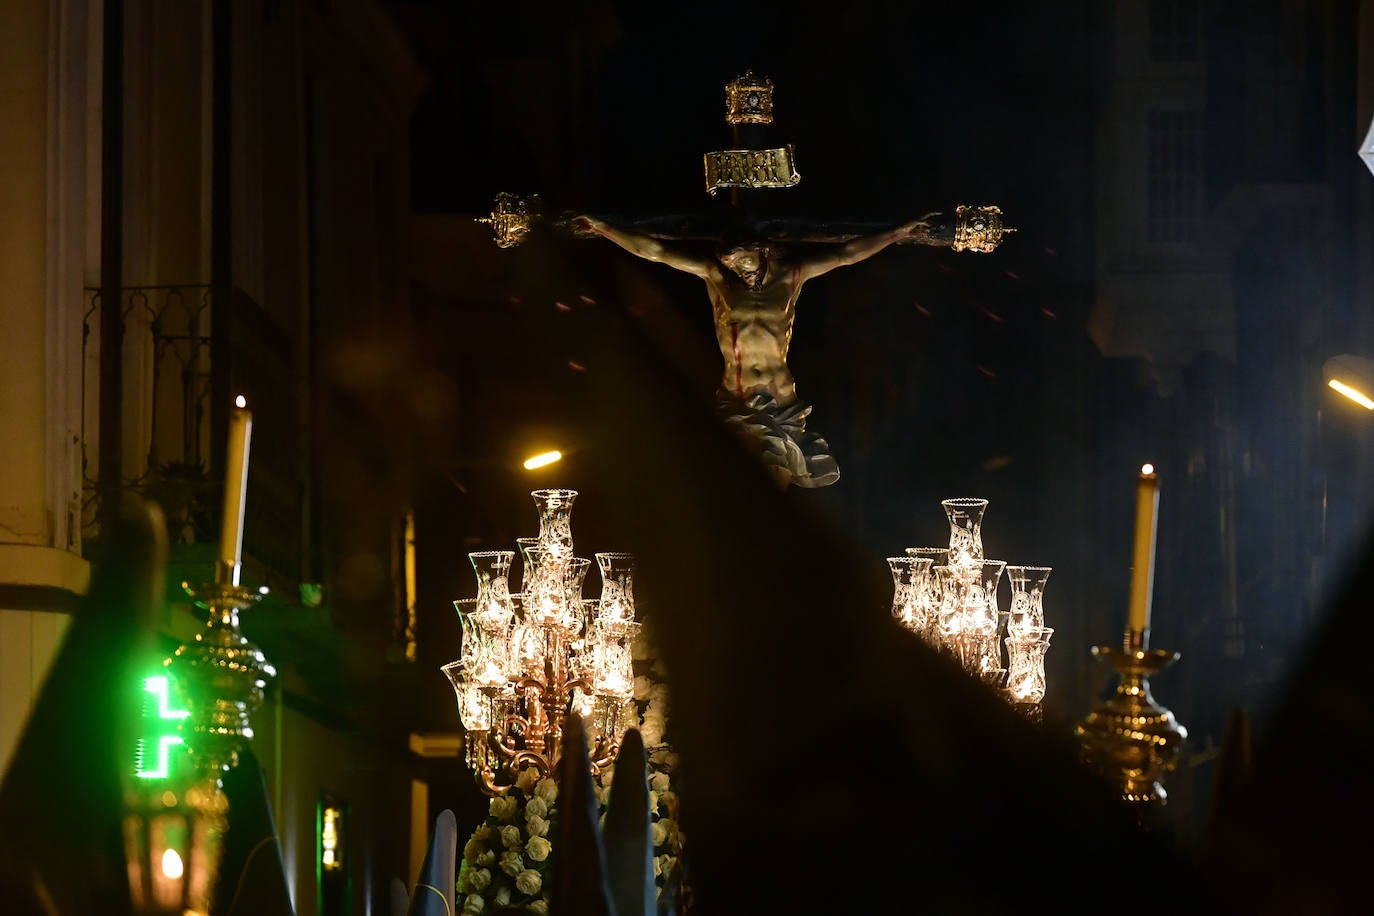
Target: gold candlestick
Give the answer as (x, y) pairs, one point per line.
(173, 831)
(222, 674)
(1130, 738)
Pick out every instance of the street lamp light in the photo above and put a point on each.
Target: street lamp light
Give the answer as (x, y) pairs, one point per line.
(1351, 376)
(543, 459)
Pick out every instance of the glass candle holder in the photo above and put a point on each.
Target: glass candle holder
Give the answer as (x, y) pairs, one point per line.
(910, 578)
(485, 654)
(1026, 664)
(1027, 591)
(494, 608)
(970, 605)
(977, 653)
(555, 522)
(617, 606)
(965, 529)
(529, 559)
(929, 594)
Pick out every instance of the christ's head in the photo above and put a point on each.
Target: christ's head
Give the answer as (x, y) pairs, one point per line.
(748, 260)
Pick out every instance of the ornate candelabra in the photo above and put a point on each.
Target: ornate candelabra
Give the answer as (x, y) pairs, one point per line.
(948, 597)
(530, 658)
(1130, 738)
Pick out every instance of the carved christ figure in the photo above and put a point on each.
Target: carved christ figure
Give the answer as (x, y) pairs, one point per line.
(754, 285)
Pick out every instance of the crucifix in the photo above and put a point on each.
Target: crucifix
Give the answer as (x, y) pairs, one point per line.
(754, 271)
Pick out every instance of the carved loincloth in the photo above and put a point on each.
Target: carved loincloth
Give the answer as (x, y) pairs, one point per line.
(782, 432)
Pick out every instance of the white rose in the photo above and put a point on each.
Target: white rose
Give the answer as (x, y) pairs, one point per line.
(536, 807)
(642, 685)
(673, 760)
(473, 905)
(481, 833)
(511, 863)
(538, 907)
(503, 808)
(659, 756)
(660, 833)
(651, 731)
(537, 826)
(659, 782)
(528, 882)
(472, 851)
(486, 858)
(663, 865)
(479, 879)
(547, 790)
(653, 801)
(510, 836)
(658, 693)
(526, 780)
(538, 848)
(503, 896)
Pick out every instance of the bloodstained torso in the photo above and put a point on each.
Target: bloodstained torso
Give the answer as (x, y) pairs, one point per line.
(754, 330)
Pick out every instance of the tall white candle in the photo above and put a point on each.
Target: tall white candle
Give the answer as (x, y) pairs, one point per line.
(235, 486)
(1143, 556)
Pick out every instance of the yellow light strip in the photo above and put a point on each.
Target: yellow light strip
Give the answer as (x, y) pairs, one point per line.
(1359, 397)
(543, 459)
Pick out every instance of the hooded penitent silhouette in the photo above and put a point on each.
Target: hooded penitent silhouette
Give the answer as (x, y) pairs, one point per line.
(435, 887)
(62, 798)
(252, 878)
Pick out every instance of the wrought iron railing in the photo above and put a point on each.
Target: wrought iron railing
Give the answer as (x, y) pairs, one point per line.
(173, 363)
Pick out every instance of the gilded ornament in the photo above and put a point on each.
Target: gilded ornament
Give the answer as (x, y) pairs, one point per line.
(512, 217)
(979, 228)
(749, 100)
(751, 168)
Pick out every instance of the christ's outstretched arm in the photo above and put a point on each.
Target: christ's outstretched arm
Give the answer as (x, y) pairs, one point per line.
(649, 248)
(859, 249)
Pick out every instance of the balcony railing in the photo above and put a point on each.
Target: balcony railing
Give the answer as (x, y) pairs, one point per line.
(172, 423)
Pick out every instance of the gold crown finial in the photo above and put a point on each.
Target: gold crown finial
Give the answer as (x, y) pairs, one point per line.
(749, 100)
(979, 228)
(512, 217)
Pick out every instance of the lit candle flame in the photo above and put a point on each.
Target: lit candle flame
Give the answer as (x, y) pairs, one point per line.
(172, 866)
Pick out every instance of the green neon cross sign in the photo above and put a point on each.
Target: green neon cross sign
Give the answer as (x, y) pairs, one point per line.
(164, 723)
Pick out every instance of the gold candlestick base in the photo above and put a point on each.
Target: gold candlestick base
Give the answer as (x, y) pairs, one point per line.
(1130, 738)
(223, 676)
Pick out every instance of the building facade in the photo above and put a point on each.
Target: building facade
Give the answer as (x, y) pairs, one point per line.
(231, 181)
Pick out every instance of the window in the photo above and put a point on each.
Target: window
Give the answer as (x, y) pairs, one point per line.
(332, 871)
(1174, 178)
(1174, 30)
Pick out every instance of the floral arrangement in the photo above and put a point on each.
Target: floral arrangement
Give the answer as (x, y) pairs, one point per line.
(508, 861)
